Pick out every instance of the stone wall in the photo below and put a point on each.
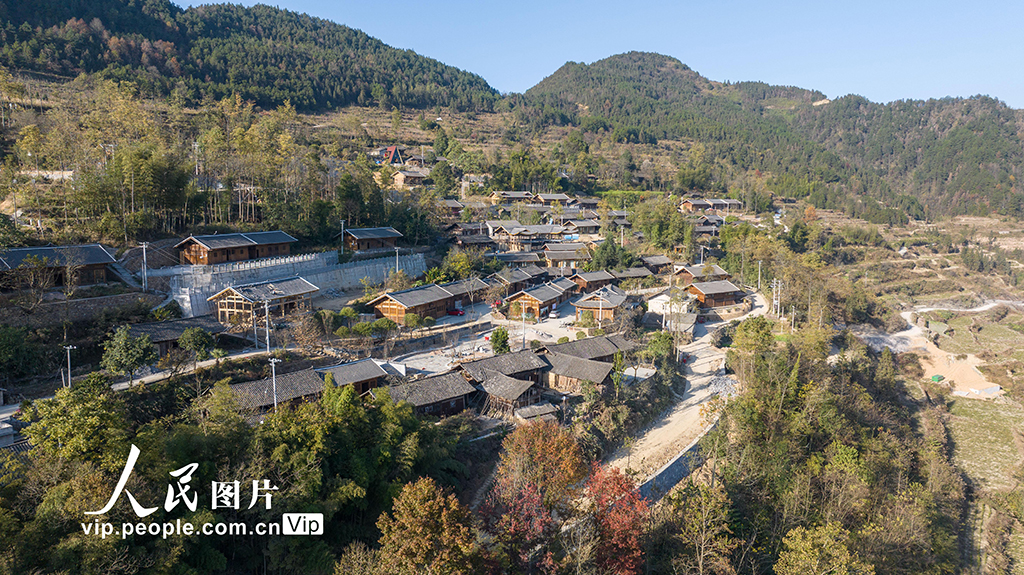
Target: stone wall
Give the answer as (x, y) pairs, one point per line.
(194, 284)
(75, 310)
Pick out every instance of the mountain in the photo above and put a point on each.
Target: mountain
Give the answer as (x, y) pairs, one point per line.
(945, 156)
(266, 54)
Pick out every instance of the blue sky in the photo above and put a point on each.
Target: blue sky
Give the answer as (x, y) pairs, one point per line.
(882, 50)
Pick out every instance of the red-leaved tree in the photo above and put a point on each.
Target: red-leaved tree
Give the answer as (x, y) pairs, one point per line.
(620, 513)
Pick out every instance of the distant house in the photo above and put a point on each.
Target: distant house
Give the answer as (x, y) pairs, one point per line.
(590, 281)
(658, 264)
(362, 375)
(408, 178)
(241, 303)
(716, 293)
(567, 373)
(601, 348)
(496, 227)
(709, 230)
(363, 239)
(451, 208)
(552, 199)
(673, 300)
(542, 411)
(701, 273)
(694, 205)
(91, 261)
(604, 303)
(632, 274)
(510, 197)
(583, 227)
(526, 238)
(438, 395)
(711, 220)
(223, 248)
(478, 242)
(585, 203)
(463, 229)
(165, 334)
(518, 259)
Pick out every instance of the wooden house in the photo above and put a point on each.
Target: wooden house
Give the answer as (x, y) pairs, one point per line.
(362, 239)
(518, 259)
(690, 205)
(568, 373)
(224, 248)
(583, 227)
(451, 208)
(552, 199)
(240, 304)
(88, 263)
(590, 281)
(504, 394)
(424, 301)
(403, 179)
(524, 364)
(538, 301)
(716, 293)
(465, 293)
(514, 279)
(604, 303)
(658, 264)
(510, 197)
(637, 273)
(437, 395)
(701, 273)
(165, 334)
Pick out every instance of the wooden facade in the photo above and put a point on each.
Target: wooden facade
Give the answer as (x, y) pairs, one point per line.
(361, 239)
(242, 304)
(225, 248)
(716, 294)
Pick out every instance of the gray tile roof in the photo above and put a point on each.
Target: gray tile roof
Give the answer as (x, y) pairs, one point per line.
(57, 256)
(506, 364)
(566, 256)
(536, 411)
(478, 239)
(584, 223)
(553, 197)
(451, 204)
(657, 260)
(698, 271)
(608, 296)
(260, 393)
(592, 347)
(222, 241)
(271, 289)
(512, 275)
(579, 368)
(534, 271)
(171, 330)
(503, 386)
(373, 233)
(632, 273)
(564, 284)
(714, 288)
(353, 372)
(443, 387)
(595, 276)
(517, 257)
(478, 226)
(504, 223)
(542, 293)
(463, 287)
(417, 296)
(515, 195)
(706, 229)
(538, 229)
(697, 203)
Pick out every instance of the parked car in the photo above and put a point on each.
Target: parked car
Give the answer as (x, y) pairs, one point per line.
(456, 312)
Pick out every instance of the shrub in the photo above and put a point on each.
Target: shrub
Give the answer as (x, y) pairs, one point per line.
(536, 344)
(343, 332)
(580, 335)
(563, 339)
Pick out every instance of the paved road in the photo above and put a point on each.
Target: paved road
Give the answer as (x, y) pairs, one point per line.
(7, 411)
(671, 433)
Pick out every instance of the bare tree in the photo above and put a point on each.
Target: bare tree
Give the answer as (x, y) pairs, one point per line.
(34, 277)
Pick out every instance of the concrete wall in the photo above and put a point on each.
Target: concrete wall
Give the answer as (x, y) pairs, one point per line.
(193, 284)
(674, 471)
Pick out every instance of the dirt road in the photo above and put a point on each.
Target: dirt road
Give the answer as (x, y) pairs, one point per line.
(679, 426)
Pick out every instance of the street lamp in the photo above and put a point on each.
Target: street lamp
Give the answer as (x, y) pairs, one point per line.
(273, 371)
(68, 349)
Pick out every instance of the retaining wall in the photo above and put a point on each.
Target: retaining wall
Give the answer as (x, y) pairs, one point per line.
(674, 471)
(193, 284)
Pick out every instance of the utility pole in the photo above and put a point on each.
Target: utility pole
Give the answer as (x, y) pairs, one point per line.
(266, 314)
(396, 260)
(341, 250)
(758, 275)
(776, 296)
(145, 282)
(273, 374)
(68, 349)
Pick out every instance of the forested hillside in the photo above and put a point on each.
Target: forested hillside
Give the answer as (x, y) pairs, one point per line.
(951, 155)
(263, 53)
